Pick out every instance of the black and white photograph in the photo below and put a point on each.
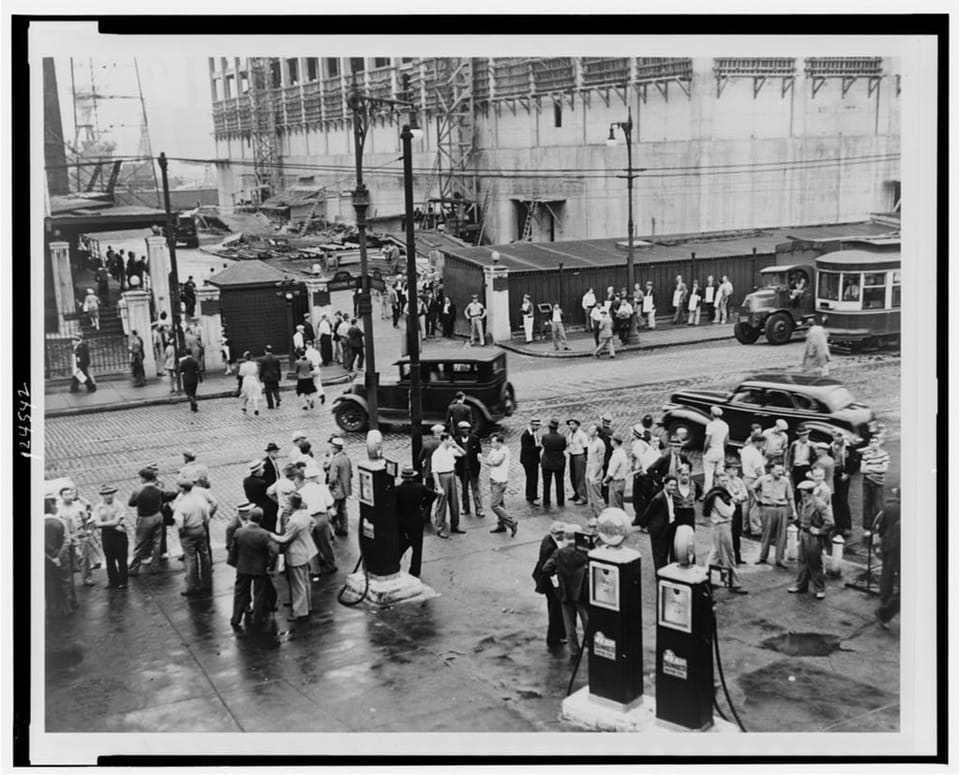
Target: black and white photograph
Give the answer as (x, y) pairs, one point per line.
(394, 393)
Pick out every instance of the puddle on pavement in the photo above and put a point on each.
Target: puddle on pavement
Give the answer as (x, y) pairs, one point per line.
(803, 644)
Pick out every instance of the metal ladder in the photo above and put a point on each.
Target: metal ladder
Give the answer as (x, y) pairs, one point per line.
(527, 234)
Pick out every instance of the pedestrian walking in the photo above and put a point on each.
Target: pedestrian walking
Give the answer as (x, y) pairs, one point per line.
(340, 481)
(299, 550)
(250, 387)
(111, 519)
(270, 373)
(467, 468)
(91, 305)
(887, 527)
(553, 462)
(306, 387)
(570, 567)
(719, 507)
(679, 301)
(874, 461)
(816, 350)
(577, 441)
(604, 335)
(498, 463)
(254, 555)
(815, 523)
(170, 366)
(546, 585)
(716, 436)
(81, 372)
(443, 465)
(191, 514)
(777, 506)
(413, 501)
(724, 296)
(527, 314)
(189, 371)
(476, 314)
(557, 331)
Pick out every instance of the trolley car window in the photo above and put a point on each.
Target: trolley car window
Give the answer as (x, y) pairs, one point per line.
(851, 287)
(895, 291)
(830, 286)
(874, 290)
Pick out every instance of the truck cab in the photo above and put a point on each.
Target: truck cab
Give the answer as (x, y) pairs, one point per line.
(783, 303)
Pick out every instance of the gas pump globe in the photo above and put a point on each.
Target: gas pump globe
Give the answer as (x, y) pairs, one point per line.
(613, 526)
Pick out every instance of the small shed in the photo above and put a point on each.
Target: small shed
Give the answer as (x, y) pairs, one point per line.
(258, 306)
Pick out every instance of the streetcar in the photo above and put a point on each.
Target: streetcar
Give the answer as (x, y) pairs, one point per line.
(859, 292)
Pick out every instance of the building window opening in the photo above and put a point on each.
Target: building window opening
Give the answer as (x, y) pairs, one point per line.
(293, 72)
(313, 69)
(357, 65)
(244, 83)
(275, 74)
(557, 114)
(895, 290)
(381, 62)
(830, 286)
(228, 87)
(333, 67)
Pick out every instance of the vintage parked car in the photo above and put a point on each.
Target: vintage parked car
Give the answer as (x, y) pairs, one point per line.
(481, 373)
(821, 404)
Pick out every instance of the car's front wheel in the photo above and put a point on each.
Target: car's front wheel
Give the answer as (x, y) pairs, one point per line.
(509, 400)
(688, 431)
(351, 417)
(745, 333)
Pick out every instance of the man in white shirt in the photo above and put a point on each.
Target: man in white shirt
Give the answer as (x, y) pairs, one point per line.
(648, 306)
(724, 293)
(313, 355)
(296, 456)
(716, 436)
(191, 513)
(589, 304)
(617, 471)
(498, 462)
(777, 442)
(526, 312)
(442, 466)
(754, 465)
(476, 313)
(596, 451)
(557, 330)
(298, 341)
(319, 504)
(343, 328)
(577, 441)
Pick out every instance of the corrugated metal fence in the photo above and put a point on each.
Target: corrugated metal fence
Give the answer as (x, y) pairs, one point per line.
(461, 279)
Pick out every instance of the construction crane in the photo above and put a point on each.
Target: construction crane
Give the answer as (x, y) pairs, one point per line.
(263, 129)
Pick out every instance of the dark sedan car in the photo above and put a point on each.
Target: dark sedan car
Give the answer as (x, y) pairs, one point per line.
(480, 373)
(822, 405)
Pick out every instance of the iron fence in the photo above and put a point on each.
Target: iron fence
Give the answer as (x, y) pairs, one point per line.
(108, 346)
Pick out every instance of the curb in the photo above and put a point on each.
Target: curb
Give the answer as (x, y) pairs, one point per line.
(179, 399)
(519, 349)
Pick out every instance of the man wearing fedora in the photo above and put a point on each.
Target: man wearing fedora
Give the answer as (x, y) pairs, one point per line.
(530, 451)
(254, 555)
(339, 479)
(81, 374)
(468, 468)
(110, 517)
(413, 510)
(255, 489)
(271, 465)
(191, 514)
(553, 462)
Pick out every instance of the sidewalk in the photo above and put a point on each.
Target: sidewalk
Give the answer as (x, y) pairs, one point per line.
(582, 345)
(116, 392)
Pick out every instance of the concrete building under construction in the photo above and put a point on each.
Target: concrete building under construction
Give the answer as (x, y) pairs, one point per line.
(524, 148)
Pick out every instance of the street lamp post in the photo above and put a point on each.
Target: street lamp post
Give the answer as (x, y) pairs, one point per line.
(627, 127)
(174, 278)
(413, 334)
(361, 202)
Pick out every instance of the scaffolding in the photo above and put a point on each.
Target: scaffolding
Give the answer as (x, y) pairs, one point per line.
(263, 129)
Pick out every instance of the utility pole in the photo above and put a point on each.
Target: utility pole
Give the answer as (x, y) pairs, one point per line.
(413, 330)
(627, 127)
(174, 279)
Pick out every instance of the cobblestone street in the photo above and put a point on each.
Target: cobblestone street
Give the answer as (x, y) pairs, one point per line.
(352, 670)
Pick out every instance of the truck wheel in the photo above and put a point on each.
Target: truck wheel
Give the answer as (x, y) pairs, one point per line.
(779, 328)
(508, 399)
(350, 417)
(746, 334)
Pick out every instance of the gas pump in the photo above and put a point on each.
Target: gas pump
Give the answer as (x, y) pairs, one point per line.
(685, 630)
(379, 540)
(615, 633)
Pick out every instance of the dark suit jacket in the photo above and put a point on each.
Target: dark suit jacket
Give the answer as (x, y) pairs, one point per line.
(529, 452)
(661, 467)
(606, 434)
(308, 333)
(269, 367)
(255, 490)
(656, 517)
(82, 353)
(471, 460)
(413, 498)
(253, 551)
(553, 446)
(547, 547)
(457, 413)
(271, 470)
(570, 565)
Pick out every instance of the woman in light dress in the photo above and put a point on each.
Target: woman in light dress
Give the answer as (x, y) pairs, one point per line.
(250, 386)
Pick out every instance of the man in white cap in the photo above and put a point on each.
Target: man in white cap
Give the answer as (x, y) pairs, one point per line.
(340, 481)
(191, 513)
(430, 444)
(815, 522)
(298, 340)
(777, 442)
(643, 454)
(296, 456)
(319, 504)
(716, 436)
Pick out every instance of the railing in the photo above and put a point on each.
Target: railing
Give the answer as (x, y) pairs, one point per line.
(651, 69)
(843, 67)
(603, 71)
(553, 75)
(219, 118)
(109, 353)
(511, 77)
(332, 99)
(312, 102)
(767, 67)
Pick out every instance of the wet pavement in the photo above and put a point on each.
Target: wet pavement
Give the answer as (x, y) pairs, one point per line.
(473, 659)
